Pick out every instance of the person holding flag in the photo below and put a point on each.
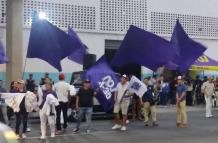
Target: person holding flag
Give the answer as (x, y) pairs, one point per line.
(47, 103)
(21, 114)
(84, 104)
(122, 101)
(148, 103)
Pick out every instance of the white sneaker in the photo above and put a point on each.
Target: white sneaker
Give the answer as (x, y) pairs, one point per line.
(123, 128)
(116, 126)
(52, 135)
(23, 136)
(42, 137)
(28, 130)
(17, 137)
(88, 131)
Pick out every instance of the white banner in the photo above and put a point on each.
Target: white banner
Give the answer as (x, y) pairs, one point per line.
(13, 100)
(137, 87)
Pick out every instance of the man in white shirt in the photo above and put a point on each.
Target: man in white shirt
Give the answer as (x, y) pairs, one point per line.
(122, 102)
(62, 90)
(208, 89)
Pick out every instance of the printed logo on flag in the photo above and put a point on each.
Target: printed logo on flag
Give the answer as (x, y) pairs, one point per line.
(106, 85)
(136, 86)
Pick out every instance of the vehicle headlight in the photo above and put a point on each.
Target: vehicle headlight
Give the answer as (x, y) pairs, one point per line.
(10, 136)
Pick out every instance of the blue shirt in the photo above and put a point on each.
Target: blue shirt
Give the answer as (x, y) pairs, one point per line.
(180, 89)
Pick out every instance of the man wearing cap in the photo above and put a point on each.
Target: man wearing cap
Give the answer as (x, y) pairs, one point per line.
(84, 104)
(181, 103)
(62, 89)
(148, 103)
(122, 102)
(208, 89)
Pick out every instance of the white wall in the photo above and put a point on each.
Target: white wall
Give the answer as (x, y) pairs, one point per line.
(194, 7)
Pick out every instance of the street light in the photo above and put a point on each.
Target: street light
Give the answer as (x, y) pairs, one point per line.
(42, 15)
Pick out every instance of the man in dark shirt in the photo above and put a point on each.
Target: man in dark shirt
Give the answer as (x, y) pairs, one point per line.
(30, 83)
(84, 104)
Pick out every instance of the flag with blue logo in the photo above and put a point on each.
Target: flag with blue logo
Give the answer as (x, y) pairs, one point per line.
(79, 49)
(187, 50)
(136, 86)
(49, 43)
(105, 79)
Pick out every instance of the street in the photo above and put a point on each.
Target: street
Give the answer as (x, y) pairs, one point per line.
(200, 130)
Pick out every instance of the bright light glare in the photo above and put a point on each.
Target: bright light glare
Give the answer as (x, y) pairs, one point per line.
(42, 15)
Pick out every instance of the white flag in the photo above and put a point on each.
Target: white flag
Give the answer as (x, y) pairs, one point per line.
(13, 100)
(137, 87)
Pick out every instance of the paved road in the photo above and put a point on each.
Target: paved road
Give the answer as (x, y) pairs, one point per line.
(200, 130)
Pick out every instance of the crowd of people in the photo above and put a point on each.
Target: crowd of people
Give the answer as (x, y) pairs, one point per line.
(54, 99)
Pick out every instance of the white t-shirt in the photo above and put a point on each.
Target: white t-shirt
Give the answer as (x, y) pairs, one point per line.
(121, 90)
(62, 89)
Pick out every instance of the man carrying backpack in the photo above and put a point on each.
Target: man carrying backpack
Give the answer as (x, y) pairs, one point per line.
(148, 102)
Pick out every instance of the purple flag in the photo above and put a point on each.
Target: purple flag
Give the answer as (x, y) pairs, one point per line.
(187, 50)
(3, 58)
(104, 78)
(143, 48)
(49, 43)
(79, 50)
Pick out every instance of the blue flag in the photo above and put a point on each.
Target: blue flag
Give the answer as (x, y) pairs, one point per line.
(143, 48)
(49, 43)
(3, 57)
(79, 50)
(104, 78)
(187, 50)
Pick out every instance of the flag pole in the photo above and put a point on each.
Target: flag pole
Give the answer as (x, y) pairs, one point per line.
(24, 68)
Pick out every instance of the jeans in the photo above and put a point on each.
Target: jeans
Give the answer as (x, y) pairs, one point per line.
(87, 111)
(62, 107)
(21, 116)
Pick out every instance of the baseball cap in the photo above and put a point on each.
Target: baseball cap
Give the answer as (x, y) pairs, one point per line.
(124, 75)
(61, 76)
(179, 77)
(86, 81)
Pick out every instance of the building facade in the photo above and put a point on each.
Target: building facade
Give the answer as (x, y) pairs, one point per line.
(102, 24)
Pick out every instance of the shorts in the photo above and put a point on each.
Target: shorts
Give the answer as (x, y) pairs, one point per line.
(124, 106)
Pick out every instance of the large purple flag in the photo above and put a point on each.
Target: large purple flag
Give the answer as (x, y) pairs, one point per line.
(49, 43)
(187, 50)
(143, 48)
(79, 48)
(3, 57)
(104, 78)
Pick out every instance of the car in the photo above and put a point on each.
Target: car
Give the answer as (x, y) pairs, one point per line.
(7, 135)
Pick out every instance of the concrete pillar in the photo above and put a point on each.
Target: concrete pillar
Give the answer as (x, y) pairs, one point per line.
(14, 40)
